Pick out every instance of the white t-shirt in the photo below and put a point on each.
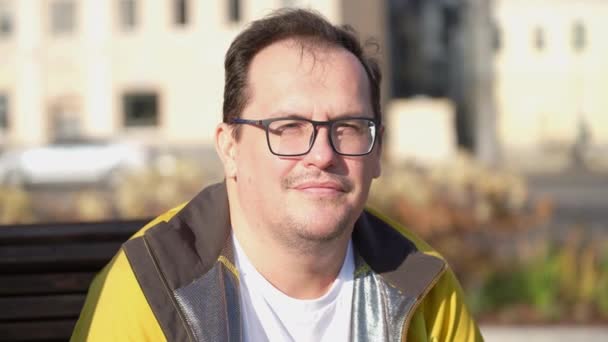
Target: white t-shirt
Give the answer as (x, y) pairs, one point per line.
(270, 315)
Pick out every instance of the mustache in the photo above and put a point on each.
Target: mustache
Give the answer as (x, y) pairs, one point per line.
(295, 180)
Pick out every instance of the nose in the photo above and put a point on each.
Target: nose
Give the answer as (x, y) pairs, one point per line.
(321, 154)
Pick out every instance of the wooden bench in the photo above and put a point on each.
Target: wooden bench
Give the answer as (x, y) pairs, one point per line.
(45, 272)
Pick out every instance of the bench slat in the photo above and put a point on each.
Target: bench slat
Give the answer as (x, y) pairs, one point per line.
(29, 284)
(46, 270)
(66, 232)
(59, 330)
(39, 307)
(79, 257)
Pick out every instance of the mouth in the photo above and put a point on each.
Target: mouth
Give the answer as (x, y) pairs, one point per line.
(321, 188)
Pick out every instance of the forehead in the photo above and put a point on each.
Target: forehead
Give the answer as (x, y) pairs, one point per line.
(301, 74)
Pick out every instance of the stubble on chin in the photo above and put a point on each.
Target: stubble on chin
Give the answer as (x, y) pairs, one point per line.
(314, 224)
(301, 236)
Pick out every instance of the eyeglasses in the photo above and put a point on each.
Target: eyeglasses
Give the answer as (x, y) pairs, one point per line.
(290, 137)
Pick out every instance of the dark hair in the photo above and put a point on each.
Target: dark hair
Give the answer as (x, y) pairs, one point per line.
(303, 25)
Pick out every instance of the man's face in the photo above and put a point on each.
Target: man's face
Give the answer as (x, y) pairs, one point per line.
(318, 196)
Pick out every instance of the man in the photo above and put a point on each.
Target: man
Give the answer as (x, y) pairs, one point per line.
(283, 249)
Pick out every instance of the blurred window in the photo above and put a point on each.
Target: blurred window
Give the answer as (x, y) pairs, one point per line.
(6, 19)
(579, 36)
(180, 10)
(65, 113)
(128, 14)
(426, 38)
(234, 10)
(3, 111)
(62, 16)
(140, 109)
(66, 125)
(539, 38)
(496, 37)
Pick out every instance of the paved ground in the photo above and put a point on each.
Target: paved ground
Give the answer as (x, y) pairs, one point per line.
(575, 192)
(581, 198)
(544, 334)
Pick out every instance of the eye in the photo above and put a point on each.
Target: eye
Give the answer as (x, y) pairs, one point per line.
(288, 127)
(351, 127)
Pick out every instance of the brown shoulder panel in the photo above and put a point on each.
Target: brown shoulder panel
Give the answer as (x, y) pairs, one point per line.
(173, 246)
(395, 257)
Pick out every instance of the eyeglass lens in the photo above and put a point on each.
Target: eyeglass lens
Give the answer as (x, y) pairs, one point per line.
(295, 137)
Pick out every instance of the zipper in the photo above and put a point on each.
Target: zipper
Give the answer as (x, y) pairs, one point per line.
(166, 287)
(408, 318)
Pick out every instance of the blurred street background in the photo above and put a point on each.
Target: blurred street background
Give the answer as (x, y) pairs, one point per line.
(496, 115)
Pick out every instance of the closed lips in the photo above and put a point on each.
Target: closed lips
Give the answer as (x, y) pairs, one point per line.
(320, 185)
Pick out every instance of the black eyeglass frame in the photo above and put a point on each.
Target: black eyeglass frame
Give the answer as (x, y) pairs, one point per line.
(265, 123)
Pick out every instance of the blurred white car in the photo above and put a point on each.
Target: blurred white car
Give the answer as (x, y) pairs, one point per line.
(73, 162)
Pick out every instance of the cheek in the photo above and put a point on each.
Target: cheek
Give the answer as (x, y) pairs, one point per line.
(362, 173)
(358, 169)
(262, 170)
(248, 156)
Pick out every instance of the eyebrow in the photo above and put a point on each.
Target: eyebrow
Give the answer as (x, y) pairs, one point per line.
(293, 115)
(286, 114)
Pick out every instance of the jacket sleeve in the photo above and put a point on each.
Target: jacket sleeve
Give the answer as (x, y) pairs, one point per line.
(445, 313)
(116, 309)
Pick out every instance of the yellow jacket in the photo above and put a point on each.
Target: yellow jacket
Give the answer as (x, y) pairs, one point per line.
(175, 280)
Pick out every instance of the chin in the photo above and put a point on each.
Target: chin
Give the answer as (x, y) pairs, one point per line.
(321, 234)
(323, 225)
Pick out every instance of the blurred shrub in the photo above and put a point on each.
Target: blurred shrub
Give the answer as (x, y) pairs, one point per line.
(565, 284)
(15, 206)
(460, 195)
(468, 211)
(92, 206)
(165, 184)
(168, 183)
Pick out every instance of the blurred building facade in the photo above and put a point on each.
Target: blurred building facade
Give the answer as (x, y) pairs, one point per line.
(526, 77)
(134, 69)
(441, 49)
(551, 66)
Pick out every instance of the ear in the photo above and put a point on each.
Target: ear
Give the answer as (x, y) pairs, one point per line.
(378, 153)
(225, 146)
